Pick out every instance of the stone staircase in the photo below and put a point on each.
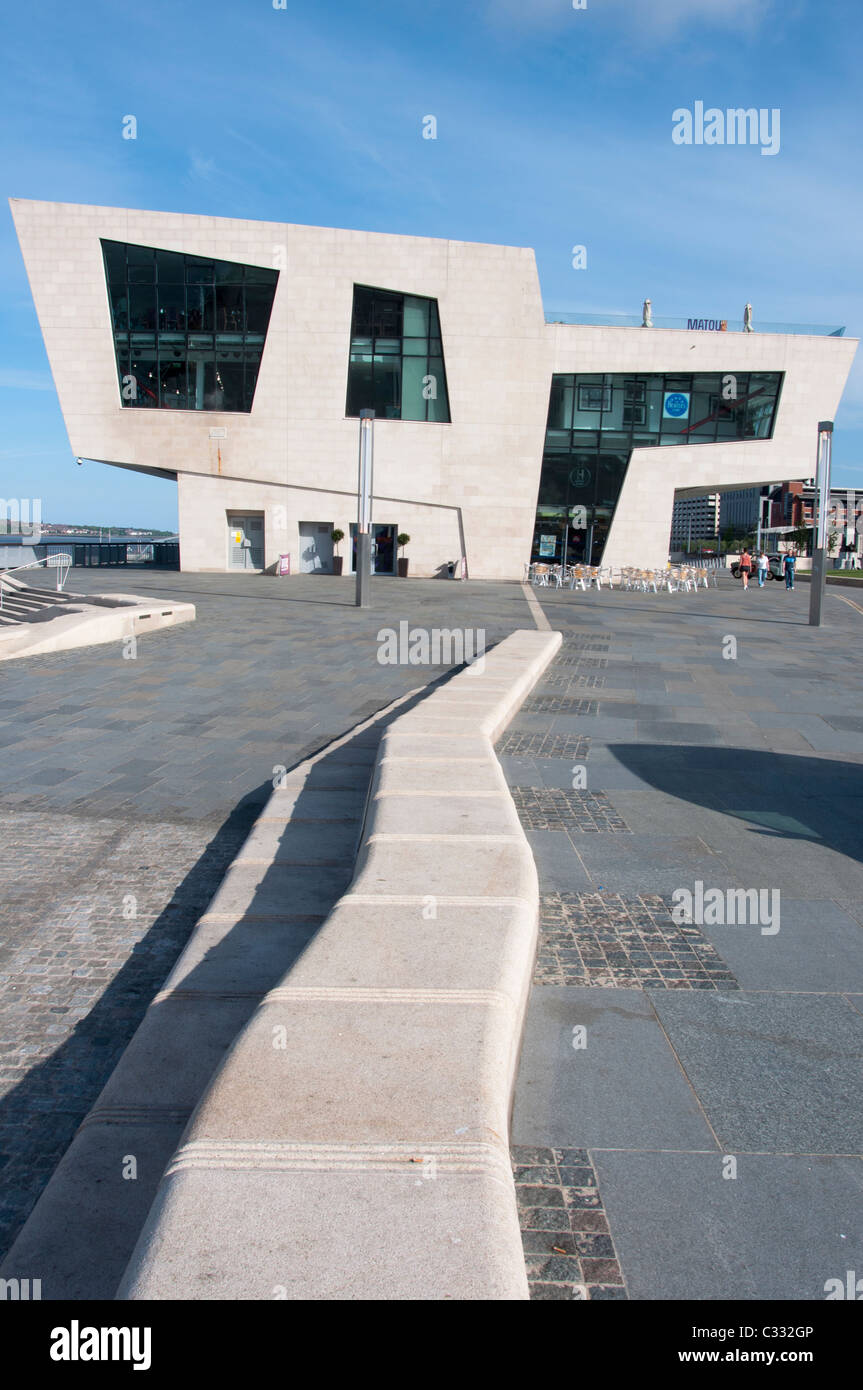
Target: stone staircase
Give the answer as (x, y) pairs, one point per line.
(35, 621)
(22, 603)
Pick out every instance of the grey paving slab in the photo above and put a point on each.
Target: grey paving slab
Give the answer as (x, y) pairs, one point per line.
(596, 726)
(675, 731)
(800, 868)
(601, 776)
(623, 1088)
(653, 863)
(775, 1072)
(521, 771)
(779, 1230)
(557, 861)
(817, 947)
(664, 813)
(854, 908)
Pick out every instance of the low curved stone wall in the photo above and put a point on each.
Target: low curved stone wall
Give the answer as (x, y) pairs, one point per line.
(353, 1144)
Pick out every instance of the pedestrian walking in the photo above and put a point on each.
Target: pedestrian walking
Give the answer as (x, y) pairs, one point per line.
(788, 566)
(745, 568)
(763, 564)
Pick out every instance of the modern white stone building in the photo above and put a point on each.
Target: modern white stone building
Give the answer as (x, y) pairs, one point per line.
(235, 356)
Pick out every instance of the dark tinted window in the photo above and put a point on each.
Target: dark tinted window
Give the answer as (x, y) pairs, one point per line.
(165, 308)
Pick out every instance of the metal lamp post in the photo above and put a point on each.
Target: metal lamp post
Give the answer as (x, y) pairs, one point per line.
(762, 526)
(819, 557)
(364, 507)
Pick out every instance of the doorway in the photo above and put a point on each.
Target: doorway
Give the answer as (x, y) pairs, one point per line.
(383, 548)
(245, 540)
(316, 547)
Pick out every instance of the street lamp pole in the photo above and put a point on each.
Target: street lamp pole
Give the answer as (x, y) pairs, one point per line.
(364, 507)
(819, 558)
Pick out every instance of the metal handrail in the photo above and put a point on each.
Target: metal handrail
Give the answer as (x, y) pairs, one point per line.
(565, 316)
(60, 561)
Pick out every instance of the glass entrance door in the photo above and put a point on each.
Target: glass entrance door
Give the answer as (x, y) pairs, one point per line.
(383, 548)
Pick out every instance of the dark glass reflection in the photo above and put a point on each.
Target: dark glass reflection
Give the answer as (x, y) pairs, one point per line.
(396, 363)
(595, 420)
(188, 331)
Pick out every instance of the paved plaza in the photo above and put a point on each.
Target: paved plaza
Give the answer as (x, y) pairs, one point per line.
(687, 1119)
(130, 785)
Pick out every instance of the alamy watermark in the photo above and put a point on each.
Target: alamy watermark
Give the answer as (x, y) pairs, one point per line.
(21, 517)
(20, 1290)
(436, 646)
(849, 1288)
(727, 907)
(77, 1343)
(734, 126)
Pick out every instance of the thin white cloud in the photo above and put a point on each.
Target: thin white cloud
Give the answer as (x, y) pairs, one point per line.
(662, 17)
(19, 379)
(200, 167)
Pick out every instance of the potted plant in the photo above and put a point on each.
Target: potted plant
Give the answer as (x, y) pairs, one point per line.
(403, 538)
(337, 559)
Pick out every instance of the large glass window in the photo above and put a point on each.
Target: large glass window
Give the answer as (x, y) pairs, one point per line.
(188, 331)
(596, 419)
(396, 363)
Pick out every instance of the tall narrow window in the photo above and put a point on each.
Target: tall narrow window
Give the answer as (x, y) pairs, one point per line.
(396, 360)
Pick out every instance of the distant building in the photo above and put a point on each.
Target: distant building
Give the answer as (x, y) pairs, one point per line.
(739, 508)
(694, 519)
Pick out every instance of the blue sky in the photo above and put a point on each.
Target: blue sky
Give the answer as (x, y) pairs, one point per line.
(554, 129)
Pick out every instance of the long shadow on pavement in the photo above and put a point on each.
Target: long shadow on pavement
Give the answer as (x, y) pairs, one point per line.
(779, 795)
(84, 1226)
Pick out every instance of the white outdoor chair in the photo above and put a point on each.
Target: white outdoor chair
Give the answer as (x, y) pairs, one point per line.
(577, 577)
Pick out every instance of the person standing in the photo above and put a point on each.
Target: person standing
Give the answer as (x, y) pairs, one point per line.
(763, 564)
(745, 568)
(788, 566)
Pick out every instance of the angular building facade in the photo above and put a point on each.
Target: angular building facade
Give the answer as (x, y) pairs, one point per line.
(235, 357)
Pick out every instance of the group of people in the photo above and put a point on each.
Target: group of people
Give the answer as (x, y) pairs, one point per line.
(761, 564)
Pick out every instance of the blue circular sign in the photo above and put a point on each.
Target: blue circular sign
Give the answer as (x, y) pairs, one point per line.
(676, 404)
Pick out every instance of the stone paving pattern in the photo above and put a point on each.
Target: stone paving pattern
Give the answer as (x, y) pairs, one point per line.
(568, 1248)
(710, 1074)
(559, 704)
(544, 745)
(613, 942)
(552, 808)
(139, 779)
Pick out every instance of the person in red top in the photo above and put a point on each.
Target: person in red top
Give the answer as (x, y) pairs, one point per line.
(745, 568)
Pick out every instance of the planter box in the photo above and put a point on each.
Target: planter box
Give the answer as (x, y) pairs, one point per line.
(338, 561)
(403, 568)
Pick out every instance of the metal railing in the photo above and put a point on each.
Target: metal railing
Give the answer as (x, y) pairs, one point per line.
(704, 562)
(59, 561)
(814, 330)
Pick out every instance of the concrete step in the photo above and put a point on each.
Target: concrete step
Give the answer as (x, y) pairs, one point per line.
(16, 608)
(35, 596)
